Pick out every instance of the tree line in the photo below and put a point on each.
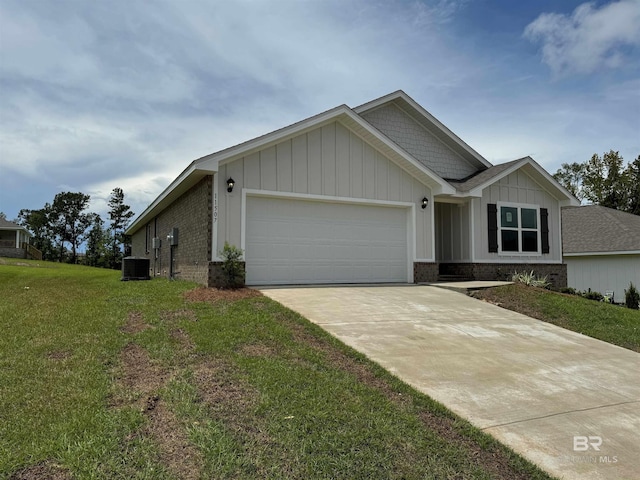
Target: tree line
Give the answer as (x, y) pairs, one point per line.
(604, 180)
(59, 228)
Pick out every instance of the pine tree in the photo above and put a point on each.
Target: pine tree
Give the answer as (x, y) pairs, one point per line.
(119, 215)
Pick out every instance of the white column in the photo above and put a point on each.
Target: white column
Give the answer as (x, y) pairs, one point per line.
(17, 238)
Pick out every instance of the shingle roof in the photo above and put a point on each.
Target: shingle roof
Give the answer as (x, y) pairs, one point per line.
(593, 228)
(6, 224)
(472, 182)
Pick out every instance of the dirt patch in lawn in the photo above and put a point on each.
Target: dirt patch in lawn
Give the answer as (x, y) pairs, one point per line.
(258, 350)
(183, 340)
(138, 379)
(58, 355)
(135, 323)
(182, 458)
(177, 315)
(213, 295)
(231, 400)
(144, 380)
(43, 471)
(139, 373)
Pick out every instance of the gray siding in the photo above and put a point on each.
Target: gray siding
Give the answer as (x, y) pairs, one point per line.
(330, 160)
(452, 230)
(517, 187)
(602, 273)
(419, 142)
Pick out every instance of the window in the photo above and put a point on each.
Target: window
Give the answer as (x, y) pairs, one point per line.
(519, 229)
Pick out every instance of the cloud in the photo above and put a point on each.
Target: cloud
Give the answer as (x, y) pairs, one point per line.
(97, 95)
(588, 39)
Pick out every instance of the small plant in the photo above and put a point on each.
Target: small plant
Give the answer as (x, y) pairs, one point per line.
(232, 266)
(530, 279)
(632, 297)
(592, 295)
(568, 290)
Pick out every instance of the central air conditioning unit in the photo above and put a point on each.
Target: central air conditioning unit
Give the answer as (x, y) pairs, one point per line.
(135, 268)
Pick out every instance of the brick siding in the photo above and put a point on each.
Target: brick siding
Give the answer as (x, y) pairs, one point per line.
(424, 272)
(191, 214)
(556, 273)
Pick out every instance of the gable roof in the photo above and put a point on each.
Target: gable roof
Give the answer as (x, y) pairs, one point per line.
(208, 164)
(474, 185)
(352, 119)
(594, 229)
(429, 122)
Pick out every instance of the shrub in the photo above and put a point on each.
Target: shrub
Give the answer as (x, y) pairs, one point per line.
(232, 267)
(530, 279)
(568, 290)
(632, 297)
(597, 296)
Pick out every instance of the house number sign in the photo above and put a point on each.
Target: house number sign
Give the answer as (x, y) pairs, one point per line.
(215, 207)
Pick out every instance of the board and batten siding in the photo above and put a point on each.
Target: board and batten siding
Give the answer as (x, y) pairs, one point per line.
(603, 273)
(452, 227)
(520, 188)
(330, 161)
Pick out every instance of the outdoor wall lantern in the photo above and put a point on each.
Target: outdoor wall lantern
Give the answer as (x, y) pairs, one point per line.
(230, 184)
(425, 202)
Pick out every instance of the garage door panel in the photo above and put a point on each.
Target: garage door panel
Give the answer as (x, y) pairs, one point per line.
(290, 241)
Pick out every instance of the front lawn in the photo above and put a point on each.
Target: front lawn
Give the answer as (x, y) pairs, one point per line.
(156, 379)
(611, 323)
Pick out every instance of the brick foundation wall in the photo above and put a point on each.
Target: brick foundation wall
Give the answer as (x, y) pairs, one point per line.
(556, 273)
(191, 213)
(458, 269)
(9, 252)
(424, 272)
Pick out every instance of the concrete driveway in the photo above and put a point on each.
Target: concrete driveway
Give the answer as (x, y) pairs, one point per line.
(567, 402)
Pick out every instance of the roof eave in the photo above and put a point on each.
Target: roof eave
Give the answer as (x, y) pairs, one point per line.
(563, 196)
(209, 164)
(197, 170)
(593, 254)
(15, 229)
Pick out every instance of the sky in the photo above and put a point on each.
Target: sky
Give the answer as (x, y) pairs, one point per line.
(104, 94)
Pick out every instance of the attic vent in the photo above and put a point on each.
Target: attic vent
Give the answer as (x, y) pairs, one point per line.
(135, 268)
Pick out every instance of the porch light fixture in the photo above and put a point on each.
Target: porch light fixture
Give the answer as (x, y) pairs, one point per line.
(425, 202)
(230, 183)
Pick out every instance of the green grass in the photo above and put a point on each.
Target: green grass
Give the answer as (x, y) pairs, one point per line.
(611, 323)
(250, 390)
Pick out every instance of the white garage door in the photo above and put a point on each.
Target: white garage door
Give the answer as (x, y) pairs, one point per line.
(300, 242)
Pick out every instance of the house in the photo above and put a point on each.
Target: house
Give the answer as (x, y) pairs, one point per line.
(601, 247)
(379, 193)
(14, 240)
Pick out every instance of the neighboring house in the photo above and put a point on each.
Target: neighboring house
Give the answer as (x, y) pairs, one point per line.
(14, 240)
(379, 193)
(601, 248)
